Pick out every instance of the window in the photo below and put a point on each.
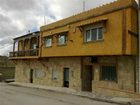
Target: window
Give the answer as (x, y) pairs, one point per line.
(62, 39)
(88, 36)
(48, 42)
(34, 46)
(94, 34)
(54, 74)
(100, 33)
(39, 74)
(108, 73)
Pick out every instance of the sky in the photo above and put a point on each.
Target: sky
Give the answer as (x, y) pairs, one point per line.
(17, 17)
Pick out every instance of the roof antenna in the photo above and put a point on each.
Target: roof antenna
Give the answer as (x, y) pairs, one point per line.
(44, 20)
(84, 5)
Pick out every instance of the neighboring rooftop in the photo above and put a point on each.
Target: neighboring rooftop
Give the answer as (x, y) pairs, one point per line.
(27, 35)
(104, 9)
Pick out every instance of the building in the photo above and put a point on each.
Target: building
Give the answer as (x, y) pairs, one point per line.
(91, 51)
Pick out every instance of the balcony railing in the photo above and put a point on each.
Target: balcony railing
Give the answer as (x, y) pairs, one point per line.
(32, 52)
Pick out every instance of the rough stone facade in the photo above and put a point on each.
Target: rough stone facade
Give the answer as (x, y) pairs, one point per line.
(43, 69)
(125, 73)
(47, 66)
(7, 68)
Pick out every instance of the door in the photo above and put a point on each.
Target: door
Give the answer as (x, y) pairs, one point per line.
(31, 75)
(66, 77)
(87, 78)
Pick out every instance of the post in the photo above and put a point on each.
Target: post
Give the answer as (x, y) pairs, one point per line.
(14, 49)
(14, 46)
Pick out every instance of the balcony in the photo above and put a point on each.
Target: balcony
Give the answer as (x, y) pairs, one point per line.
(33, 52)
(25, 47)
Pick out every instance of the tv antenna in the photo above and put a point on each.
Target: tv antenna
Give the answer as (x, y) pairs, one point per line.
(44, 20)
(84, 5)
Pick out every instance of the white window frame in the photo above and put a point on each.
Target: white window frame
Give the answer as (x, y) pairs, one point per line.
(46, 44)
(86, 35)
(64, 39)
(54, 74)
(92, 28)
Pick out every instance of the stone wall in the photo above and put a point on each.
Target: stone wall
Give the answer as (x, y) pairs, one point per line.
(125, 73)
(7, 68)
(7, 72)
(43, 73)
(45, 68)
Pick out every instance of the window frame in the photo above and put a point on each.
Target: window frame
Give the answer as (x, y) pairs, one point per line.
(65, 39)
(97, 35)
(48, 37)
(109, 65)
(54, 74)
(39, 73)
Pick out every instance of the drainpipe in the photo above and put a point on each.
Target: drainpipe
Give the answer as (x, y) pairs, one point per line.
(139, 45)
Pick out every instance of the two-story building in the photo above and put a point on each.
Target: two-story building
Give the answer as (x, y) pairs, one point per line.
(91, 51)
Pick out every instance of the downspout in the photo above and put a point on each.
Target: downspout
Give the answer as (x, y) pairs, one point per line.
(41, 44)
(139, 46)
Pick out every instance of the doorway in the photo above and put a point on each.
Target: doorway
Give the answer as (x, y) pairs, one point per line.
(66, 77)
(87, 78)
(31, 75)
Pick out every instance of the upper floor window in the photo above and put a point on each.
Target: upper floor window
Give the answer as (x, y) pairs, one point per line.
(34, 46)
(62, 39)
(93, 34)
(48, 42)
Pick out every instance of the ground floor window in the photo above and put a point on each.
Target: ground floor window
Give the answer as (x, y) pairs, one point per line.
(54, 74)
(39, 73)
(108, 73)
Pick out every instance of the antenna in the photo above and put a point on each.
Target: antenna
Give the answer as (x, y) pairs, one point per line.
(84, 6)
(44, 20)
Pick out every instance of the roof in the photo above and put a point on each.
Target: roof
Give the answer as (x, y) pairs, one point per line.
(27, 35)
(101, 10)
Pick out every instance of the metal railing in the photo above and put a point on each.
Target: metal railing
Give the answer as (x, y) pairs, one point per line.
(31, 52)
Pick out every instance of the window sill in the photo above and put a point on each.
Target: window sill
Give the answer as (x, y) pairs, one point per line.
(94, 41)
(109, 81)
(48, 47)
(59, 45)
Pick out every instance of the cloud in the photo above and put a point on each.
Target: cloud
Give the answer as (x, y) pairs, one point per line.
(18, 5)
(19, 16)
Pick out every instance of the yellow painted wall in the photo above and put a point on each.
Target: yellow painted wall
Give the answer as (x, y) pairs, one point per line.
(134, 27)
(112, 43)
(105, 47)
